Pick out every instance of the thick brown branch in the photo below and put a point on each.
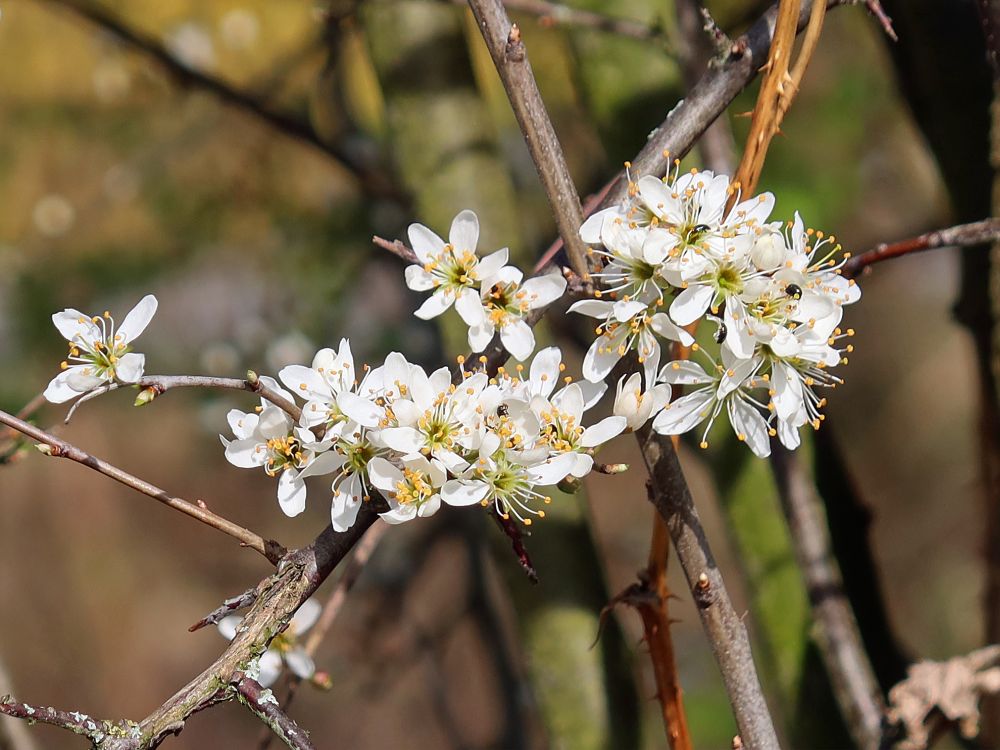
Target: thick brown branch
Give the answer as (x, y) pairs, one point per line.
(94, 729)
(373, 181)
(265, 706)
(503, 40)
(54, 446)
(854, 684)
(963, 235)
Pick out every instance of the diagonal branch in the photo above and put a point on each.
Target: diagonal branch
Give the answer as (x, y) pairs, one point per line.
(265, 706)
(54, 446)
(962, 235)
(503, 40)
(373, 181)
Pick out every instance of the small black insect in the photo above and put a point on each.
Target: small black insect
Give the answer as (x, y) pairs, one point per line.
(700, 228)
(503, 410)
(720, 334)
(794, 291)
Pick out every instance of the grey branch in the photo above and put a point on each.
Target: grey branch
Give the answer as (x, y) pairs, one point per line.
(228, 607)
(159, 384)
(265, 706)
(510, 57)
(855, 687)
(724, 628)
(54, 446)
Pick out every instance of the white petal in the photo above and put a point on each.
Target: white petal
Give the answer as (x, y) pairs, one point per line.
(383, 474)
(518, 339)
(300, 663)
(59, 391)
(460, 492)
(492, 263)
(749, 426)
(592, 392)
(602, 432)
(418, 279)
(464, 234)
(306, 617)
(291, 494)
(601, 358)
(325, 463)
(130, 367)
(73, 325)
(738, 338)
(80, 379)
(360, 409)
(344, 510)
(270, 667)
(544, 372)
(469, 306)
(544, 290)
(582, 465)
(570, 401)
(663, 325)
(424, 242)
(434, 305)
(691, 304)
(430, 506)
(624, 311)
(137, 319)
(552, 471)
(684, 372)
(228, 626)
(245, 454)
(305, 382)
(480, 336)
(241, 423)
(593, 308)
(685, 413)
(590, 230)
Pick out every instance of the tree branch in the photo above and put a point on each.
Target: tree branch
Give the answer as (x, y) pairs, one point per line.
(503, 40)
(373, 181)
(723, 627)
(851, 675)
(265, 706)
(962, 235)
(54, 446)
(160, 384)
(362, 554)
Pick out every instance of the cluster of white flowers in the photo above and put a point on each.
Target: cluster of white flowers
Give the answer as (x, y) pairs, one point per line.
(419, 439)
(489, 295)
(673, 255)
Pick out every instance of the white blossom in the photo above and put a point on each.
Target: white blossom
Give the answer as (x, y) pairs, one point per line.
(99, 353)
(285, 648)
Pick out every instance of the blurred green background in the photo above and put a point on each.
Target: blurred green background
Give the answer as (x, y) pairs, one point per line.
(118, 179)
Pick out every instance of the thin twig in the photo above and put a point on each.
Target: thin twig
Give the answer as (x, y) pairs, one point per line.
(373, 181)
(875, 8)
(160, 384)
(13, 734)
(397, 248)
(264, 705)
(851, 675)
(962, 235)
(557, 14)
(234, 604)
(503, 40)
(74, 721)
(54, 446)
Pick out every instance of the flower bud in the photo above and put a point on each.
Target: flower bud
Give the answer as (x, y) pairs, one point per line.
(768, 251)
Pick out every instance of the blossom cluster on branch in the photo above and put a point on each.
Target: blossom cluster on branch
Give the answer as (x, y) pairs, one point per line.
(678, 250)
(675, 253)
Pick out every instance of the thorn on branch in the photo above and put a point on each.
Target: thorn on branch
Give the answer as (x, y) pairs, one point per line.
(236, 603)
(723, 45)
(875, 9)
